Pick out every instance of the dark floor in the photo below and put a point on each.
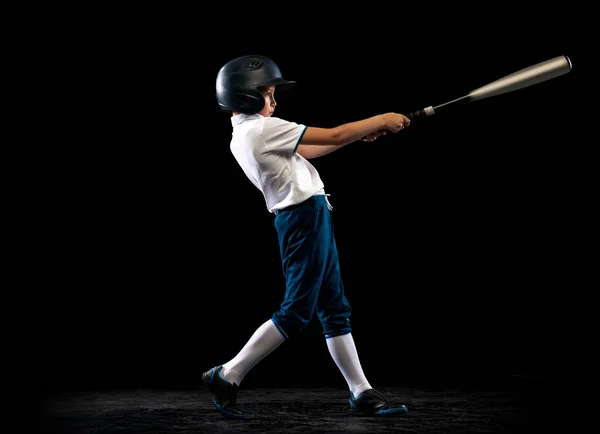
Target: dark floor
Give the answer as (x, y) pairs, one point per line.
(300, 409)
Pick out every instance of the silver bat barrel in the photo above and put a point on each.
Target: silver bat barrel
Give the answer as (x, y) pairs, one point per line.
(524, 78)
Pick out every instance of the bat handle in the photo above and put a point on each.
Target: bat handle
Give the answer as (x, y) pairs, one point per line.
(420, 114)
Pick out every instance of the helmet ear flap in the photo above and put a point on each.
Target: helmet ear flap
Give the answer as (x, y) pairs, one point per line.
(248, 101)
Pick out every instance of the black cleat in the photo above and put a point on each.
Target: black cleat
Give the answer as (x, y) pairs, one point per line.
(224, 394)
(373, 403)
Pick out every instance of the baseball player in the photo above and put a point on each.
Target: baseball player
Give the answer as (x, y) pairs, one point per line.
(274, 154)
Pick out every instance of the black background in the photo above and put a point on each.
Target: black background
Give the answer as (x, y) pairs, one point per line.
(159, 259)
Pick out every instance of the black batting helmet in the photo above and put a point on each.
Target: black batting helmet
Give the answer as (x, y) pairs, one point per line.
(238, 80)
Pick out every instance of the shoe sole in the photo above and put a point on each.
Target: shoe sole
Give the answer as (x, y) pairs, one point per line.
(394, 411)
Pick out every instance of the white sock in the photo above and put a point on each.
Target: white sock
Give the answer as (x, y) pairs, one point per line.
(343, 351)
(264, 340)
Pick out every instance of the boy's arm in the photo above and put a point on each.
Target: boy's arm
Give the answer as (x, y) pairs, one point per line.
(315, 151)
(317, 142)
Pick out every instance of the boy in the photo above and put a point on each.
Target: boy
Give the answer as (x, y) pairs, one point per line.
(274, 154)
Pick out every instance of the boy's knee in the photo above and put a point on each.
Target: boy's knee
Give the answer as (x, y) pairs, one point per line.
(336, 326)
(291, 324)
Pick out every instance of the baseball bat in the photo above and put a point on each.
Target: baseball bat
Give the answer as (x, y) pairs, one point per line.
(526, 77)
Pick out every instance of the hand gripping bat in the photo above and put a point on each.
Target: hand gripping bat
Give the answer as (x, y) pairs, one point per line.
(526, 77)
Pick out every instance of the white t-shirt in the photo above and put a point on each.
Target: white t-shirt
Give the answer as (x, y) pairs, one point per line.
(265, 149)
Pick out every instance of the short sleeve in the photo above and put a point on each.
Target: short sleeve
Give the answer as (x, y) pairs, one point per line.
(281, 135)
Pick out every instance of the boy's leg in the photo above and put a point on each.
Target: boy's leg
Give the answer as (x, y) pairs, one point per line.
(223, 381)
(363, 397)
(262, 343)
(334, 311)
(302, 255)
(343, 352)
